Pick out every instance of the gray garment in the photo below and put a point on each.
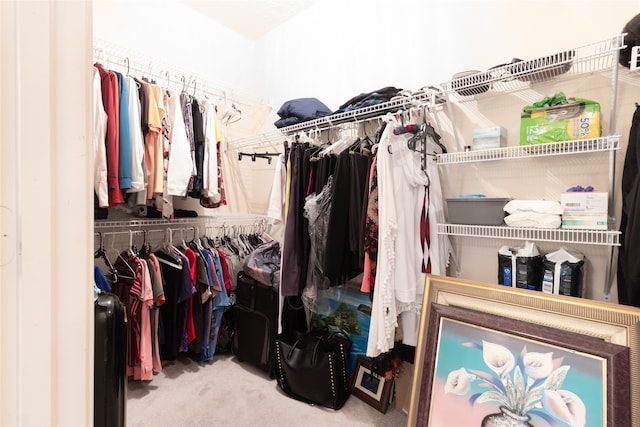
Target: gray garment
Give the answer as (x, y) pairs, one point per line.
(186, 102)
(316, 210)
(291, 268)
(156, 282)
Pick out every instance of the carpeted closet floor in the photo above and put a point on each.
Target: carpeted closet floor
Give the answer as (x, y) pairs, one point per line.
(227, 392)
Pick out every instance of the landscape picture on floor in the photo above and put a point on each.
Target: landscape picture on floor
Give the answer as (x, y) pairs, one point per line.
(348, 311)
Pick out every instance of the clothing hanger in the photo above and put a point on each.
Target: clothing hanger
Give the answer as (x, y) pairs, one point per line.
(130, 270)
(170, 250)
(145, 249)
(98, 51)
(126, 61)
(102, 254)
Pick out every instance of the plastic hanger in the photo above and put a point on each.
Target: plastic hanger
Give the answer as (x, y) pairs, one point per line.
(102, 254)
(170, 250)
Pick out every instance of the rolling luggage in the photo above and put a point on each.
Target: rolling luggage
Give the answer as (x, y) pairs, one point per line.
(110, 370)
(255, 317)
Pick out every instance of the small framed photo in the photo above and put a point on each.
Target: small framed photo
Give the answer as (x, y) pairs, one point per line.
(369, 386)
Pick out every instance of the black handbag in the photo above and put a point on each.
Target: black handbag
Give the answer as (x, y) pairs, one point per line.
(313, 368)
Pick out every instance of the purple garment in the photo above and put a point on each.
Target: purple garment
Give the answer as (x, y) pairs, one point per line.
(187, 289)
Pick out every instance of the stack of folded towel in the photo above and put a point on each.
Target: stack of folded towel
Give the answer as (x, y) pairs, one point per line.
(533, 213)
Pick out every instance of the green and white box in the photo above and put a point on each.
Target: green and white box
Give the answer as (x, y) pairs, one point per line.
(584, 221)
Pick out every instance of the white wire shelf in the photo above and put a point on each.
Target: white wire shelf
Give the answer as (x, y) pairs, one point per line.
(558, 235)
(201, 221)
(607, 143)
(421, 98)
(520, 75)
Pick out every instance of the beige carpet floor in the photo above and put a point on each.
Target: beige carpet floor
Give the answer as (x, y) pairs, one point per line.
(226, 392)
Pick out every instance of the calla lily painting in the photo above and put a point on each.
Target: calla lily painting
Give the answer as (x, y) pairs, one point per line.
(482, 375)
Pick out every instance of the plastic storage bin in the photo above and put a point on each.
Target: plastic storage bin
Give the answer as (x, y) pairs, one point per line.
(476, 211)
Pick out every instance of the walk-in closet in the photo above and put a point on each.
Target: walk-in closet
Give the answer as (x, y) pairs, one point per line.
(319, 212)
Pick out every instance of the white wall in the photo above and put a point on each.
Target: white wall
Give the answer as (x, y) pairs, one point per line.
(171, 33)
(337, 49)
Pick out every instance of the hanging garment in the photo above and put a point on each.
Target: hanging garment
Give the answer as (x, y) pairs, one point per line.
(316, 210)
(165, 201)
(370, 234)
(187, 114)
(158, 300)
(100, 184)
(189, 333)
(628, 267)
(172, 312)
(180, 166)
(124, 135)
(290, 284)
(153, 141)
(144, 371)
(129, 288)
(210, 170)
(276, 199)
(342, 248)
(403, 255)
(198, 141)
(143, 95)
(135, 136)
(109, 87)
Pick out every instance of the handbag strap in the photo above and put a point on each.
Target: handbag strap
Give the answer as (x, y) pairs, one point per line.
(314, 355)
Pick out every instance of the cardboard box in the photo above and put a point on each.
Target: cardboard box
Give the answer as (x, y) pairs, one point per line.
(585, 202)
(585, 221)
(488, 138)
(577, 119)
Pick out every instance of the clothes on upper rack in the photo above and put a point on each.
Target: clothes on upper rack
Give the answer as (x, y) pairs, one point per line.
(100, 121)
(368, 99)
(301, 110)
(151, 144)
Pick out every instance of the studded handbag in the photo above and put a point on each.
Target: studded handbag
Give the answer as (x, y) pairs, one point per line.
(313, 367)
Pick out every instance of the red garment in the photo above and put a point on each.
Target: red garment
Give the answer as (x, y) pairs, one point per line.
(226, 276)
(425, 238)
(110, 100)
(129, 289)
(191, 329)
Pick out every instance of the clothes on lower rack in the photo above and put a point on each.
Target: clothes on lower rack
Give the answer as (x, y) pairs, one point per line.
(174, 297)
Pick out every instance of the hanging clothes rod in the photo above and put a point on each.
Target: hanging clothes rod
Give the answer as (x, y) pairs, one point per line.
(128, 61)
(201, 221)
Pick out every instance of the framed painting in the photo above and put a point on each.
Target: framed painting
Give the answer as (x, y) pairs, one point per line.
(588, 328)
(487, 370)
(369, 386)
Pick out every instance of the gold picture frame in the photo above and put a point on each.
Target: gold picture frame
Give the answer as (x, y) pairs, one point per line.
(617, 324)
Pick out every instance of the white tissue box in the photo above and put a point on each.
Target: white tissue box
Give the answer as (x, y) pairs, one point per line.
(585, 202)
(488, 138)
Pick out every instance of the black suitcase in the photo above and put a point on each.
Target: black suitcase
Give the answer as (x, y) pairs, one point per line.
(255, 318)
(110, 358)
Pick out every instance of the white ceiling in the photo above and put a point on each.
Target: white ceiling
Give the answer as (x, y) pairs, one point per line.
(251, 18)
